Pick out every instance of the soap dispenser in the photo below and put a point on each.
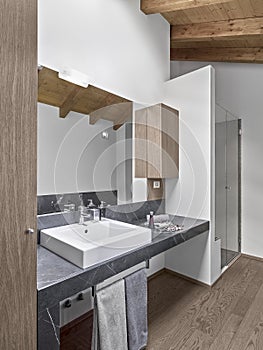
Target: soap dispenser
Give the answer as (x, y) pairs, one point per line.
(95, 213)
(81, 207)
(91, 205)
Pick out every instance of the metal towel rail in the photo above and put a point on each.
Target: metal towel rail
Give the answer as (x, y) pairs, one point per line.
(147, 266)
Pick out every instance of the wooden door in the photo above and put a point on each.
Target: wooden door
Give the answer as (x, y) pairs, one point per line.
(18, 130)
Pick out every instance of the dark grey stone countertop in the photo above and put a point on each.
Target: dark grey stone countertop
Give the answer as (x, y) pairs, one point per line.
(58, 279)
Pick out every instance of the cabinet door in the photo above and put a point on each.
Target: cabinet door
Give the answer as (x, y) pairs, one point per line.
(141, 143)
(157, 142)
(18, 116)
(154, 142)
(170, 142)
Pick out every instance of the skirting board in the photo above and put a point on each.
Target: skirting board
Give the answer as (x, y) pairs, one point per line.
(165, 270)
(252, 257)
(186, 278)
(158, 273)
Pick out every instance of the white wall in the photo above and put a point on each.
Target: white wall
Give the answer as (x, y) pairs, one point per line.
(72, 156)
(190, 195)
(122, 49)
(239, 89)
(127, 53)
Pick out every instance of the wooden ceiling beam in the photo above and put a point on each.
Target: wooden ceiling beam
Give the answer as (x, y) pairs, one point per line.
(218, 43)
(68, 104)
(164, 6)
(247, 28)
(70, 97)
(241, 55)
(119, 114)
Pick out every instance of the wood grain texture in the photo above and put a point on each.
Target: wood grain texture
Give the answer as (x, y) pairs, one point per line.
(154, 142)
(70, 97)
(118, 114)
(18, 114)
(240, 55)
(241, 43)
(77, 335)
(141, 143)
(160, 6)
(157, 142)
(155, 193)
(213, 24)
(218, 12)
(234, 29)
(68, 103)
(170, 142)
(228, 316)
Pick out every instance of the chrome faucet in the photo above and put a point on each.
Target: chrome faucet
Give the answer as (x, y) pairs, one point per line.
(84, 215)
(89, 213)
(83, 211)
(102, 209)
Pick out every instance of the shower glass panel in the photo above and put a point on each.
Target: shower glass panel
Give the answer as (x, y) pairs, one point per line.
(227, 194)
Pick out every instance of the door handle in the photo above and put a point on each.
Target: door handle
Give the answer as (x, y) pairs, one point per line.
(29, 231)
(228, 188)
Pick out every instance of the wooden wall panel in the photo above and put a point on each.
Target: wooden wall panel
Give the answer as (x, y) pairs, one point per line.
(157, 142)
(18, 120)
(141, 143)
(170, 142)
(154, 142)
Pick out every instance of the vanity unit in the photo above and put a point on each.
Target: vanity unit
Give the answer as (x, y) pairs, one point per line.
(58, 279)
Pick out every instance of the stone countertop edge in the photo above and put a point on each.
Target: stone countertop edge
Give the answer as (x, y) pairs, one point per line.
(74, 279)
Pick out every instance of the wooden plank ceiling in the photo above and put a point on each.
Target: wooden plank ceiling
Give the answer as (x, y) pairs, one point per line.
(97, 103)
(212, 30)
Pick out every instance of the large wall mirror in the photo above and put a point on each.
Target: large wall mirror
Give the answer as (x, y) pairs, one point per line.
(85, 145)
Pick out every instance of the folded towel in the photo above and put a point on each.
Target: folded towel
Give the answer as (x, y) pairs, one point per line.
(159, 218)
(136, 309)
(110, 331)
(95, 344)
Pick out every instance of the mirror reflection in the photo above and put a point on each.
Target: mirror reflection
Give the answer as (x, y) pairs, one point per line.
(99, 145)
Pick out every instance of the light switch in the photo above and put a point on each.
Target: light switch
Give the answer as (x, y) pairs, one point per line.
(156, 184)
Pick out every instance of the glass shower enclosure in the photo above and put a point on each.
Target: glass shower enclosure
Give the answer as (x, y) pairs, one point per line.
(228, 184)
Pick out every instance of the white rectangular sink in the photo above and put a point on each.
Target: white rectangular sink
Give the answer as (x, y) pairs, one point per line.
(95, 242)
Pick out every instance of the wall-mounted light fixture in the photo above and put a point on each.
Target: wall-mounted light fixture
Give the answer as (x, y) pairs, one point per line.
(74, 76)
(105, 135)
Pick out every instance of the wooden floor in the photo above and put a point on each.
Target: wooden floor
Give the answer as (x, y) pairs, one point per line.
(184, 315)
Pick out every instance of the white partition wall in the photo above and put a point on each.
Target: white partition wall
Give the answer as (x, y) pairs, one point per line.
(239, 89)
(191, 195)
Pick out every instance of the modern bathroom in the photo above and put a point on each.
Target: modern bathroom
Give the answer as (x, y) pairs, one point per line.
(137, 164)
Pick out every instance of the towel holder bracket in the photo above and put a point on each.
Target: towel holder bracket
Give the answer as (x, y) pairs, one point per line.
(93, 289)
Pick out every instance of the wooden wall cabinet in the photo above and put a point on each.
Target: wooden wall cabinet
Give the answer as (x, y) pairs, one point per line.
(157, 142)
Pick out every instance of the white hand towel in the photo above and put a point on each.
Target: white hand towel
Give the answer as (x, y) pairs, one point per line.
(110, 329)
